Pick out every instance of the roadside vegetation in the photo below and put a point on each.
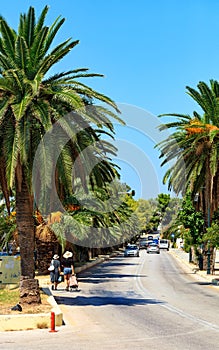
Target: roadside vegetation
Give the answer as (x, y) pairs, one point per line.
(194, 146)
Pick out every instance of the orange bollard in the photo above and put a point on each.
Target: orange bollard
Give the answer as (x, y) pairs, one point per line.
(52, 318)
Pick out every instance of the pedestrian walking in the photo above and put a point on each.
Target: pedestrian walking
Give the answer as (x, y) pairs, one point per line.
(55, 272)
(68, 268)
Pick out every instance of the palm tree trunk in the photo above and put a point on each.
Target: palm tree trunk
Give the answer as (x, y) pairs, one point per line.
(29, 287)
(4, 185)
(216, 190)
(208, 195)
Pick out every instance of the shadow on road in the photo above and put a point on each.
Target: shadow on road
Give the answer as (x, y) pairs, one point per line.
(203, 283)
(122, 264)
(105, 277)
(102, 301)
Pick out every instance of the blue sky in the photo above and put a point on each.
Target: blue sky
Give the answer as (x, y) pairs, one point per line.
(148, 51)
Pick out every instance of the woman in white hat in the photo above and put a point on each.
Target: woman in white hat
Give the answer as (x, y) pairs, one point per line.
(55, 273)
(68, 267)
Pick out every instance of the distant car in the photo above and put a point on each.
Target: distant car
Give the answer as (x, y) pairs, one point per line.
(164, 244)
(143, 244)
(149, 242)
(153, 248)
(156, 240)
(131, 250)
(150, 238)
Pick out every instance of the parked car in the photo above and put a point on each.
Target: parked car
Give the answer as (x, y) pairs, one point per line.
(131, 250)
(164, 244)
(153, 248)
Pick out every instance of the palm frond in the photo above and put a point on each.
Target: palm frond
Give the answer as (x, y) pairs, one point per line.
(22, 57)
(52, 32)
(41, 19)
(29, 27)
(8, 38)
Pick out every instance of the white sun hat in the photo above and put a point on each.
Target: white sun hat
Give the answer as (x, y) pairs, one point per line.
(67, 254)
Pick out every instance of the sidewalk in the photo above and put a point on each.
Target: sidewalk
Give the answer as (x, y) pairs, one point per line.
(183, 259)
(33, 321)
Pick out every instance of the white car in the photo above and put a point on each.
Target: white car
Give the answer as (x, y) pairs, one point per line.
(164, 244)
(153, 248)
(131, 250)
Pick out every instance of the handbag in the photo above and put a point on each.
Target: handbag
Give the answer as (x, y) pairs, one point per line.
(52, 267)
(61, 278)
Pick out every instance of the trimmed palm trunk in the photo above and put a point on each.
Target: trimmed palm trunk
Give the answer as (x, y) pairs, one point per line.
(208, 194)
(29, 286)
(46, 245)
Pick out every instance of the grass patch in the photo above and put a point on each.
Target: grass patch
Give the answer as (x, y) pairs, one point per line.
(10, 297)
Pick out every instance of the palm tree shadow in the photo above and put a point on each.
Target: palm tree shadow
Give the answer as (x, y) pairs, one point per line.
(103, 301)
(203, 283)
(107, 277)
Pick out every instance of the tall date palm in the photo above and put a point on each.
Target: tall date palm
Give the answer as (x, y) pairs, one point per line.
(194, 145)
(30, 103)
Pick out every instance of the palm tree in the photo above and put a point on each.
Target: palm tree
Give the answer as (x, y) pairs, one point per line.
(194, 147)
(30, 103)
(99, 221)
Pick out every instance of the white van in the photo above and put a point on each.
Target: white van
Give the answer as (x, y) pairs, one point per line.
(164, 244)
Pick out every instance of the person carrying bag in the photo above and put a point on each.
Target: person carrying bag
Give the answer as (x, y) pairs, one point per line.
(68, 268)
(55, 272)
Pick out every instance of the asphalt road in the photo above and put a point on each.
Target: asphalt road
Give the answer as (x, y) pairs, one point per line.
(132, 303)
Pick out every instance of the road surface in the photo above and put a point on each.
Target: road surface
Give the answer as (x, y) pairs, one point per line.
(132, 303)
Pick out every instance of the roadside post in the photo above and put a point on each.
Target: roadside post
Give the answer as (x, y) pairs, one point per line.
(52, 319)
(208, 259)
